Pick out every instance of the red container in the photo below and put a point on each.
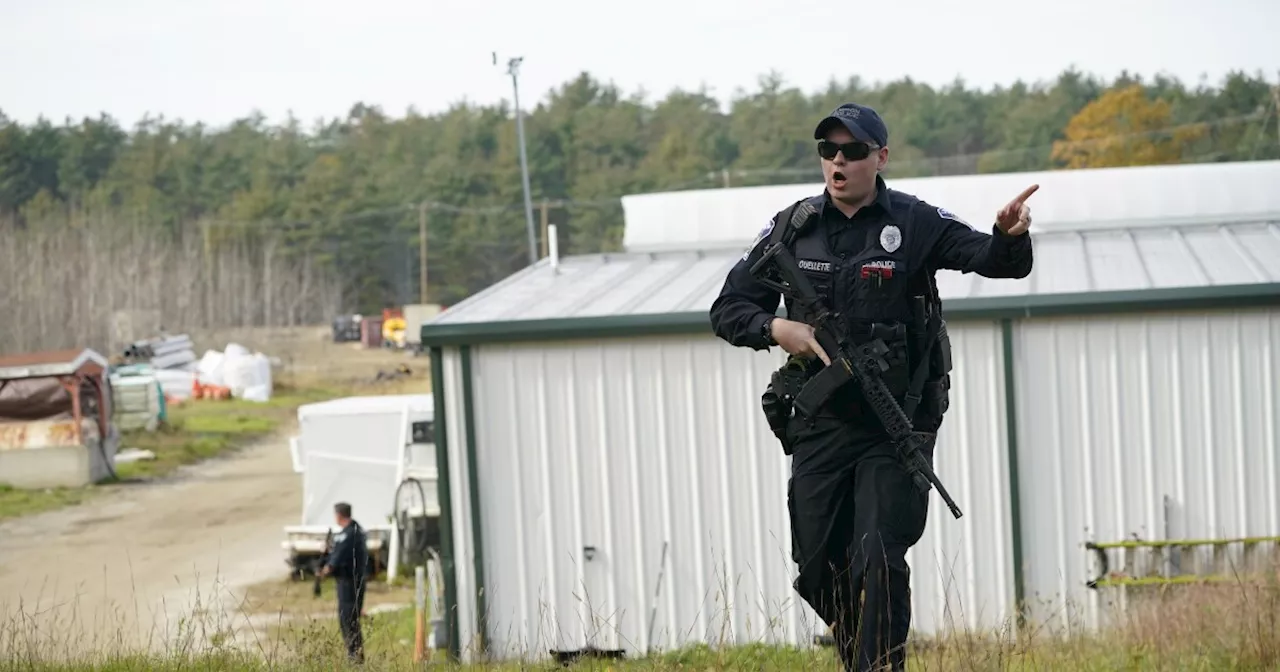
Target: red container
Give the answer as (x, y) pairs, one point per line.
(371, 332)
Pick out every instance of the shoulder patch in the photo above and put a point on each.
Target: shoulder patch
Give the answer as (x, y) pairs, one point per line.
(947, 214)
(768, 228)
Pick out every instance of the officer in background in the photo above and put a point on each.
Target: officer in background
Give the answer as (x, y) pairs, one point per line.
(854, 509)
(348, 563)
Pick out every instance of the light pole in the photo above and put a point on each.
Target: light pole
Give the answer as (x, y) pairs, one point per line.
(513, 69)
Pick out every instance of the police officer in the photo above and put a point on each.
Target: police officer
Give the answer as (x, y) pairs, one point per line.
(348, 563)
(868, 250)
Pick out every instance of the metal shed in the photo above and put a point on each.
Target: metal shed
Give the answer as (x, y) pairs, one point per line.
(55, 419)
(607, 479)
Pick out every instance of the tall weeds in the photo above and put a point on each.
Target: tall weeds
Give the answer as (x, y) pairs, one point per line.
(1211, 627)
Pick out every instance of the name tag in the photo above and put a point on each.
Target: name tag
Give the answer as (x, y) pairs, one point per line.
(814, 265)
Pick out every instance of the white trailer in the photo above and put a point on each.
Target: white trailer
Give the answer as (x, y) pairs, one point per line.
(376, 453)
(416, 315)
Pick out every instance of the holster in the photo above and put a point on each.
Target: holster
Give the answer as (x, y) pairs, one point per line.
(936, 391)
(779, 397)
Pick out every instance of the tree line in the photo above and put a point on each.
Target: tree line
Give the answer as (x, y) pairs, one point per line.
(338, 202)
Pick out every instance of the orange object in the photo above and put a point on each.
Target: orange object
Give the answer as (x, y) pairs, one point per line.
(207, 391)
(419, 636)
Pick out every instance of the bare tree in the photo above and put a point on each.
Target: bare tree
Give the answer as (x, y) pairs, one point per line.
(62, 283)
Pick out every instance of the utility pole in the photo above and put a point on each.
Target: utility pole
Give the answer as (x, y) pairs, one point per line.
(1275, 99)
(422, 252)
(513, 69)
(544, 227)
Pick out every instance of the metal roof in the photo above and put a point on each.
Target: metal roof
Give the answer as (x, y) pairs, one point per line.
(1075, 271)
(51, 363)
(1107, 239)
(597, 285)
(367, 405)
(1078, 261)
(1141, 258)
(1130, 197)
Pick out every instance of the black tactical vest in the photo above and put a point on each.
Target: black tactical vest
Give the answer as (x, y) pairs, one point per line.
(877, 292)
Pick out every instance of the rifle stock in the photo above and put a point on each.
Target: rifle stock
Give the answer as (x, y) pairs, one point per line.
(864, 362)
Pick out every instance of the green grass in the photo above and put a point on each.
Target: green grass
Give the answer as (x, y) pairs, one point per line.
(15, 502)
(204, 429)
(194, 431)
(1209, 628)
(388, 640)
(287, 596)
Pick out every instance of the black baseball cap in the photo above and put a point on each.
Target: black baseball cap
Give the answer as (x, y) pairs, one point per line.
(861, 121)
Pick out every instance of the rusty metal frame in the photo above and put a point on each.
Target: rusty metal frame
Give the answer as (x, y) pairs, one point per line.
(74, 383)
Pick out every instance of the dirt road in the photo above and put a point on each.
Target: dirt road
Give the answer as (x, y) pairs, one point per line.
(155, 565)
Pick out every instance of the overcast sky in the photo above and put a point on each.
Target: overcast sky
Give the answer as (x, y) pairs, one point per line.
(215, 61)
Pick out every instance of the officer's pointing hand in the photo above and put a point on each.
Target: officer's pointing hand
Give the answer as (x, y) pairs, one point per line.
(1015, 218)
(797, 339)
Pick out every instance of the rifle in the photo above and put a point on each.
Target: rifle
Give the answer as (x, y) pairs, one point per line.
(863, 362)
(328, 548)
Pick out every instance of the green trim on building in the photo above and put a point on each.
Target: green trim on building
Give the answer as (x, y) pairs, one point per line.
(992, 308)
(473, 484)
(1015, 488)
(564, 328)
(1119, 301)
(443, 494)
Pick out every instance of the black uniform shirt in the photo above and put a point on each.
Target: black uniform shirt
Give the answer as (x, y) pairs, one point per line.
(350, 556)
(940, 240)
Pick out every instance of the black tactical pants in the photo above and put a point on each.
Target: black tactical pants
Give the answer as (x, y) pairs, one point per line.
(854, 513)
(350, 605)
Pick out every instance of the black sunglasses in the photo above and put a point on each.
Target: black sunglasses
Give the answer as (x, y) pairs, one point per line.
(853, 151)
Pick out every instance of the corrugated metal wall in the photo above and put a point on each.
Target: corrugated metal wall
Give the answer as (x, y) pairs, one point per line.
(1149, 427)
(962, 570)
(625, 446)
(1161, 426)
(593, 445)
(460, 498)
